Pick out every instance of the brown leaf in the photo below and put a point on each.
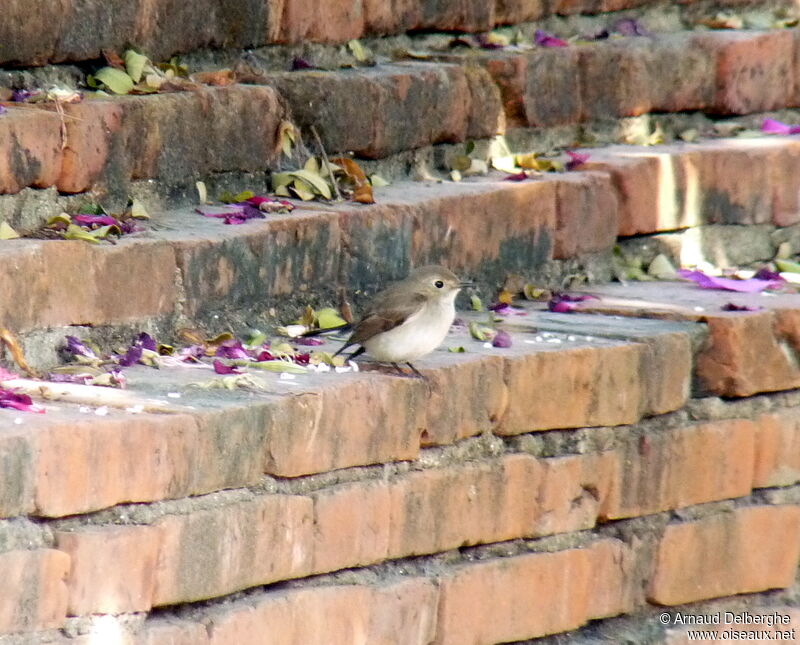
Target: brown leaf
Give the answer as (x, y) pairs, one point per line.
(8, 339)
(218, 78)
(113, 59)
(363, 190)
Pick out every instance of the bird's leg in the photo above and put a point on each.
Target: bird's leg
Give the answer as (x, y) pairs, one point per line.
(398, 368)
(417, 372)
(358, 352)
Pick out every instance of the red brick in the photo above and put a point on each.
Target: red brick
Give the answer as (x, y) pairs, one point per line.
(384, 17)
(112, 569)
(39, 600)
(602, 384)
(30, 149)
(512, 12)
(440, 509)
(681, 74)
(619, 95)
(503, 600)
(336, 21)
(398, 612)
(753, 69)
(573, 492)
(587, 214)
(409, 105)
(29, 36)
(693, 465)
(467, 397)
(320, 430)
(486, 118)
(74, 283)
(85, 465)
(777, 461)
(456, 15)
(352, 523)
(209, 553)
(748, 550)
(571, 7)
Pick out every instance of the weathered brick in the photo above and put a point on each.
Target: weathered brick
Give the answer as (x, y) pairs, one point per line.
(601, 383)
(777, 458)
(337, 426)
(467, 397)
(214, 552)
(335, 21)
(112, 569)
(223, 268)
(457, 15)
(748, 550)
(383, 17)
(74, 283)
(395, 612)
(753, 69)
(587, 214)
(571, 7)
(30, 149)
(681, 75)
(519, 609)
(16, 472)
(574, 491)
(83, 465)
(515, 11)
(486, 118)
(39, 598)
(440, 509)
(408, 105)
(693, 465)
(539, 88)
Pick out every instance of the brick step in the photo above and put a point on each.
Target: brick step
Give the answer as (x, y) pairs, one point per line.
(746, 351)
(162, 30)
(104, 146)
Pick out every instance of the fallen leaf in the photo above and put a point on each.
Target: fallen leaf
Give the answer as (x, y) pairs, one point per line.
(134, 65)
(138, 211)
(362, 192)
(10, 340)
(787, 266)
(202, 192)
(115, 80)
(377, 181)
(357, 49)
(314, 180)
(329, 318)
(287, 137)
(7, 232)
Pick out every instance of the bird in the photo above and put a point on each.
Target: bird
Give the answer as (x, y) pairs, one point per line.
(408, 319)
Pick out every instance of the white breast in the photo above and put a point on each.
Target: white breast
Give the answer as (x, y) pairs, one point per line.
(420, 334)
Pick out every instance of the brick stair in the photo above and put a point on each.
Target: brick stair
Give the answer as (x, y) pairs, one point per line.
(636, 457)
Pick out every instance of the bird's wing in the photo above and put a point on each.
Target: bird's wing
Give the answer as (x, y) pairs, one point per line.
(388, 313)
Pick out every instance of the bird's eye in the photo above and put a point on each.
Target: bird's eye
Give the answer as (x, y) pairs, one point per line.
(438, 284)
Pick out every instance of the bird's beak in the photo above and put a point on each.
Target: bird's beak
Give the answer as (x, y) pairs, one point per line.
(463, 284)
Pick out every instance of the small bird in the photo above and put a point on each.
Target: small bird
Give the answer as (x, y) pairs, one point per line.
(409, 319)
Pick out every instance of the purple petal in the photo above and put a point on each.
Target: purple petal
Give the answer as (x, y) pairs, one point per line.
(131, 357)
(543, 39)
(301, 359)
(520, 176)
(76, 347)
(99, 220)
(561, 306)
(753, 285)
(81, 379)
(630, 27)
(308, 341)
(21, 402)
(301, 63)
(3, 109)
(221, 368)
(576, 159)
(20, 96)
(562, 303)
(232, 349)
(501, 339)
(771, 126)
(146, 341)
(766, 274)
(732, 306)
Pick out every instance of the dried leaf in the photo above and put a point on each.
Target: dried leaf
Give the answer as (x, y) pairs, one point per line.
(456, 350)
(377, 181)
(689, 136)
(481, 332)
(113, 59)
(461, 163)
(787, 267)
(287, 136)
(363, 190)
(476, 303)
(455, 175)
(532, 292)
(661, 268)
(329, 318)
(138, 211)
(115, 80)
(10, 340)
(202, 192)
(302, 190)
(7, 232)
(74, 232)
(317, 183)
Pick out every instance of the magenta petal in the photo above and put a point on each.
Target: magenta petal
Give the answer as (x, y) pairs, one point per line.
(753, 285)
(520, 176)
(21, 402)
(221, 368)
(131, 357)
(732, 306)
(576, 159)
(99, 220)
(6, 375)
(501, 339)
(771, 126)
(146, 341)
(543, 39)
(232, 349)
(76, 347)
(3, 109)
(561, 306)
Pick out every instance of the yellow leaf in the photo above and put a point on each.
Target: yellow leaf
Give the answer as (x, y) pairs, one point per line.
(138, 211)
(287, 136)
(77, 233)
(527, 161)
(280, 179)
(302, 190)
(115, 80)
(135, 64)
(317, 183)
(357, 49)
(7, 233)
(377, 181)
(202, 192)
(506, 297)
(282, 191)
(461, 163)
(328, 318)
(312, 165)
